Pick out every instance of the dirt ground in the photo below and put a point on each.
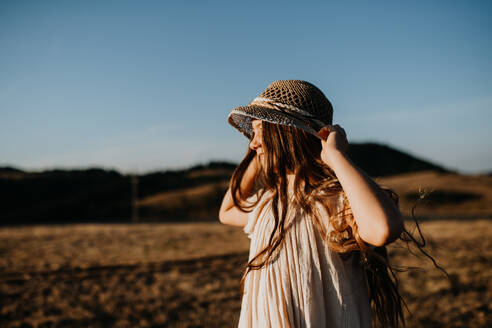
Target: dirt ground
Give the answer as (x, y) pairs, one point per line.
(187, 275)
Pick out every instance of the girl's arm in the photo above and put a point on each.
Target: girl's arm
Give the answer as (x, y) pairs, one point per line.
(229, 213)
(378, 218)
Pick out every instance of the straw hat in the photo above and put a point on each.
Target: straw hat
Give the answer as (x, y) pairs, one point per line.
(289, 102)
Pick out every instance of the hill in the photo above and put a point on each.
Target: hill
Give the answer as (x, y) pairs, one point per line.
(94, 194)
(446, 194)
(382, 160)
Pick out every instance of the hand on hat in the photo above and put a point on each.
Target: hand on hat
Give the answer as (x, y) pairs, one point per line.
(333, 139)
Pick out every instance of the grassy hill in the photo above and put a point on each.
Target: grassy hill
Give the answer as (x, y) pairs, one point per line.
(95, 194)
(382, 160)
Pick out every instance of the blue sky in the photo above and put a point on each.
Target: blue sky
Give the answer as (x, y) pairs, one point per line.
(147, 85)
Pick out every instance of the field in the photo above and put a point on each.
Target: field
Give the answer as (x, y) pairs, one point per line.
(187, 275)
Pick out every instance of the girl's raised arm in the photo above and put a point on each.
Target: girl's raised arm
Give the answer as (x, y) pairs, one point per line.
(229, 213)
(378, 218)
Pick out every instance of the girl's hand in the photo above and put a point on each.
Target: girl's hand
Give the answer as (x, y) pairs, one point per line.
(377, 216)
(333, 139)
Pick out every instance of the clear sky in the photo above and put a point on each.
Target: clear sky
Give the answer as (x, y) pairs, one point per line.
(147, 85)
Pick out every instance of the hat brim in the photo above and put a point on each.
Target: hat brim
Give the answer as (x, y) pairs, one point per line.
(241, 117)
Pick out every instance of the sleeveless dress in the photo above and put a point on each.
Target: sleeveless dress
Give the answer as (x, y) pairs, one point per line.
(308, 284)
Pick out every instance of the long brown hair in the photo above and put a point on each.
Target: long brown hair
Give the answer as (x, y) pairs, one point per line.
(290, 150)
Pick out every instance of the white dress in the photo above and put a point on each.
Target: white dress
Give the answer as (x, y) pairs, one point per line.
(308, 285)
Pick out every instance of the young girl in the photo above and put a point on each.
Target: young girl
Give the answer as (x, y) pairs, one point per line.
(318, 224)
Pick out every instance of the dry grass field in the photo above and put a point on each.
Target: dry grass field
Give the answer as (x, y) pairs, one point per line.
(187, 275)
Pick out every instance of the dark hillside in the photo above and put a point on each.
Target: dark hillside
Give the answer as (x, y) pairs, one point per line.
(63, 196)
(96, 194)
(160, 181)
(381, 160)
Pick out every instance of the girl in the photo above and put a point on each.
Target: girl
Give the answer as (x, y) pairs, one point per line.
(318, 224)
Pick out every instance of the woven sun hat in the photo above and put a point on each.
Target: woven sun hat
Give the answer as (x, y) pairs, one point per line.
(289, 102)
